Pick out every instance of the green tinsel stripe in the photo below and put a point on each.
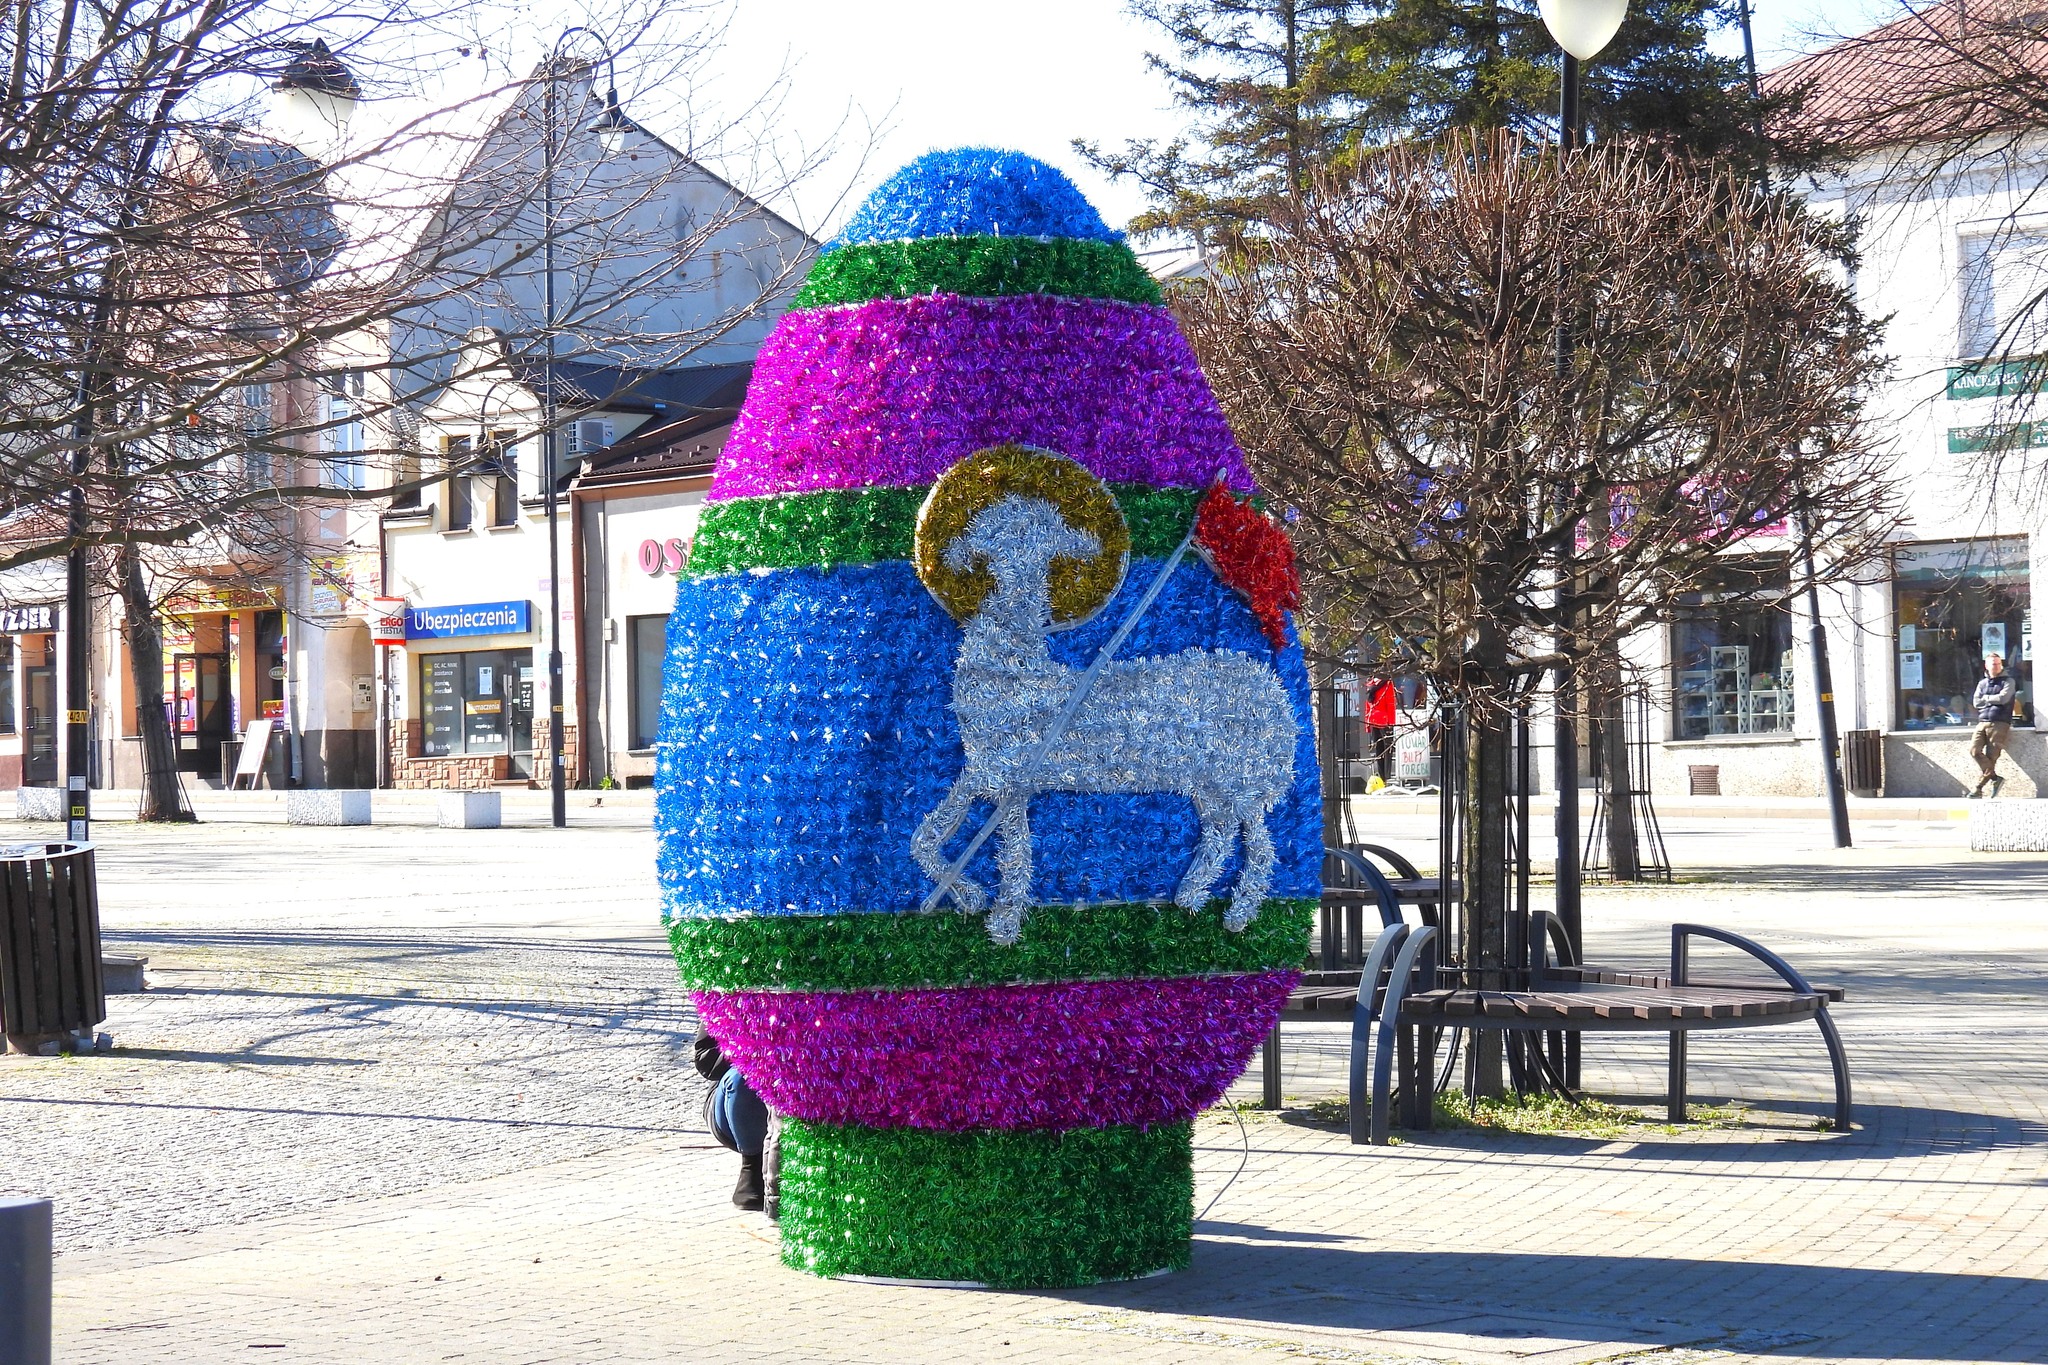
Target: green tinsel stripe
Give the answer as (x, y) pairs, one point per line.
(1060, 943)
(984, 266)
(1018, 1210)
(866, 525)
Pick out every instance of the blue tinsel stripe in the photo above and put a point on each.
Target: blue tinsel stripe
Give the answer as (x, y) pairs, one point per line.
(807, 728)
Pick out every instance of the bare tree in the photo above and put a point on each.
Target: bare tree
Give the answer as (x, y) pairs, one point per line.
(178, 278)
(1390, 362)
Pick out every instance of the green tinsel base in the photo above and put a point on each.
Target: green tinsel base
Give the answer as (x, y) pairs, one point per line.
(983, 266)
(1018, 1210)
(866, 525)
(1060, 943)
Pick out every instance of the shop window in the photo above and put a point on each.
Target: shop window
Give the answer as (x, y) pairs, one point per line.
(478, 702)
(2004, 275)
(455, 456)
(1956, 602)
(1732, 657)
(342, 433)
(270, 669)
(647, 648)
(6, 684)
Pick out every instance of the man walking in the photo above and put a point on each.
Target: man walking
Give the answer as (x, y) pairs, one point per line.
(1993, 702)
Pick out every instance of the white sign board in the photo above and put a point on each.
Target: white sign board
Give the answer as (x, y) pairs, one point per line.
(1411, 756)
(1910, 676)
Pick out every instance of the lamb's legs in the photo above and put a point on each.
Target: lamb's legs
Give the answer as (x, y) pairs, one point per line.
(929, 843)
(1013, 860)
(1218, 828)
(1256, 878)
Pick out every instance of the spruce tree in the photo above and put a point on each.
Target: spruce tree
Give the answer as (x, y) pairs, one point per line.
(1281, 88)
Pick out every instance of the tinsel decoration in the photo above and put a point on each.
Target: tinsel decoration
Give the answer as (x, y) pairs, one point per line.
(1253, 556)
(955, 1108)
(987, 266)
(1060, 943)
(974, 191)
(865, 525)
(1022, 1210)
(832, 405)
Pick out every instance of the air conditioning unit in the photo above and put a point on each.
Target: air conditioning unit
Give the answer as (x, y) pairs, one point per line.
(589, 434)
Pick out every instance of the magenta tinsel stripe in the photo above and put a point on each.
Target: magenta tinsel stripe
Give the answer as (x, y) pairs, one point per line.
(893, 391)
(1074, 1054)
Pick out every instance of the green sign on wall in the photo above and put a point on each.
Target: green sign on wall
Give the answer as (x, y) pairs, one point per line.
(1998, 436)
(1998, 379)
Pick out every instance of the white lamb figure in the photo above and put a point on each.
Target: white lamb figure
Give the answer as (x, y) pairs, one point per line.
(1214, 726)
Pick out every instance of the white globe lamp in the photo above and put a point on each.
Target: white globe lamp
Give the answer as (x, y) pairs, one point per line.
(1583, 27)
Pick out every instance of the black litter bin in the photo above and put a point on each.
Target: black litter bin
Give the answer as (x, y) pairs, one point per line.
(1863, 762)
(51, 990)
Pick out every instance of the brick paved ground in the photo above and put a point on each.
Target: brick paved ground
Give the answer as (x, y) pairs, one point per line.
(414, 1095)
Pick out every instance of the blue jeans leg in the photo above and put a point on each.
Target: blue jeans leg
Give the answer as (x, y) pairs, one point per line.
(738, 1117)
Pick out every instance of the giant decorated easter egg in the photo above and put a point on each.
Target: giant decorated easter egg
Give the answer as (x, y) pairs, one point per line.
(988, 822)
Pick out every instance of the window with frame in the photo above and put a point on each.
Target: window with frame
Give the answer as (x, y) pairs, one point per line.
(646, 650)
(455, 457)
(1732, 662)
(501, 466)
(476, 702)
(342, 436)
(1954, 603)
(252, 402)
(2004, 278)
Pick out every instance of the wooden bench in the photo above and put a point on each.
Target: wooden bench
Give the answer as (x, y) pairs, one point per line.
(1405, 1013)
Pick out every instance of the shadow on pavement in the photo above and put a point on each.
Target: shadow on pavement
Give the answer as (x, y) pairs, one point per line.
(1800, 1310)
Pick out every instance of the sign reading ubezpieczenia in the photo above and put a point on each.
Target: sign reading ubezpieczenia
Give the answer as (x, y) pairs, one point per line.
(470, 618)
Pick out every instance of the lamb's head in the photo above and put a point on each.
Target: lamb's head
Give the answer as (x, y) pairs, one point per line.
(1018, 538)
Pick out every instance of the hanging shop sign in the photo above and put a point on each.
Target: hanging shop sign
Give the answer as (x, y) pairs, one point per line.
(470, 618)
(28, 620)
(387, 620)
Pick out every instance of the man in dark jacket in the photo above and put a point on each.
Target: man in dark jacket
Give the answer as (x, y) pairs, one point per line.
(1993, 702)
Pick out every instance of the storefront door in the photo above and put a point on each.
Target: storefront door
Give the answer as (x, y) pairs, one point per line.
(39, 751)
(201, 718)
(519, 710)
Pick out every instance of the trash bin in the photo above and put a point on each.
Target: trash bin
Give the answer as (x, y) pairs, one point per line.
(1863, 762)
(51, 989)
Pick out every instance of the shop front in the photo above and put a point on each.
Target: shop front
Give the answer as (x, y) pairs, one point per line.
(469, 682)
(30, 738)
(226, 663)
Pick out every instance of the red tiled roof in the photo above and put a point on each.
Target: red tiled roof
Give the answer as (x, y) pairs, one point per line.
(1960, 68)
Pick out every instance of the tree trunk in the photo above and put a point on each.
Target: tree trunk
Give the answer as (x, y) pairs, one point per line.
(1489, 755)
(1624, 859)
(163, 797)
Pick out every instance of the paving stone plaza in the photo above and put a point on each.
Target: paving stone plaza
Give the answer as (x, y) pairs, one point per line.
(406, 1094)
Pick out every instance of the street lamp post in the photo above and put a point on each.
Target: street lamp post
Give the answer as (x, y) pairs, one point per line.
(611, 128)
(1581, 29)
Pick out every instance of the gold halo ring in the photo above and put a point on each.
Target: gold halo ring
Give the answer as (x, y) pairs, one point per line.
(1080, 586)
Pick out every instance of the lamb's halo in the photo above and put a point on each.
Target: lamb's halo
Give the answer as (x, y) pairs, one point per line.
(1081, 587)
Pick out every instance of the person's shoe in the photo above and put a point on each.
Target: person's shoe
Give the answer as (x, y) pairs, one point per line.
(747, 1194)
(1997, 786)
(1975, 792)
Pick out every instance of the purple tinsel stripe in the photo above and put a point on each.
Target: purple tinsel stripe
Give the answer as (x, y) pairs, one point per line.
(893, 391)
(1075, 1054)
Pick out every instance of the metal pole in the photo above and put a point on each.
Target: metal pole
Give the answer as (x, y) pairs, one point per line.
(24, 1282)
(549, 462)
(1823, 691)
(1816, 638)
(1565, 737)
